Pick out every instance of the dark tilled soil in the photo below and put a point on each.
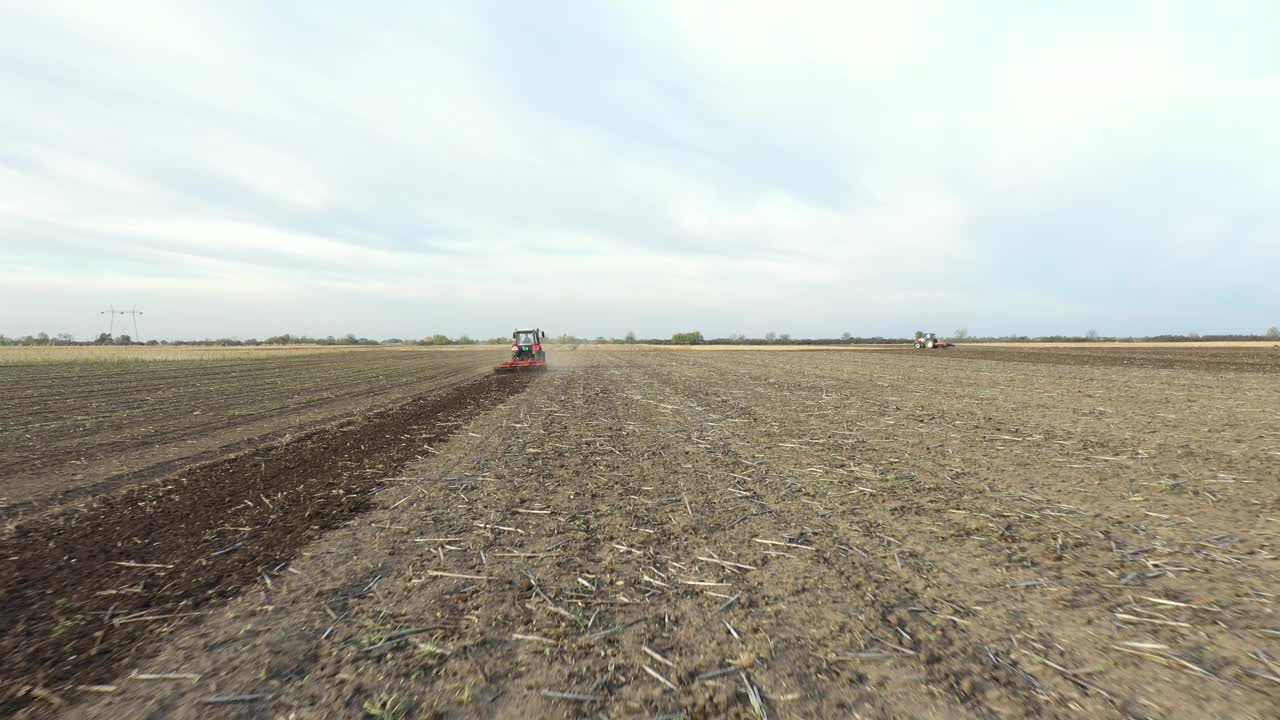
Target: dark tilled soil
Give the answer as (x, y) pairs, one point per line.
(74, 430)
(85, 592)
(1265, 358)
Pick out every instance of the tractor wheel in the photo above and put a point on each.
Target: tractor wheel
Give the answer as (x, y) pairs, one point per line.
(929, 344)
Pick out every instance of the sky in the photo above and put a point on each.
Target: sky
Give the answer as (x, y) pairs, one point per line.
(398, 169)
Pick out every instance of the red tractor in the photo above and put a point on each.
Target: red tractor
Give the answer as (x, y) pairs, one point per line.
(930, 341)
(526, 352)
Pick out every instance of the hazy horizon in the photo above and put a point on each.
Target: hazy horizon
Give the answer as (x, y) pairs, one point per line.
(398, 170)
(960, 335)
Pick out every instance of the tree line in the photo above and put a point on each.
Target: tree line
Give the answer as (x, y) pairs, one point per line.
(285, 339)
(691, 337)
(695, 337)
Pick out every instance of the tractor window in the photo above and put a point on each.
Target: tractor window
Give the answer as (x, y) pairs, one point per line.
(525, 338)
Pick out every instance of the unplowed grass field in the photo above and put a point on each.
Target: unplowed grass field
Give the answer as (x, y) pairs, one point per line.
(978, 533)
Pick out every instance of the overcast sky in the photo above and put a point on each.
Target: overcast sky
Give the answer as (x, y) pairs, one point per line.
(405, 168)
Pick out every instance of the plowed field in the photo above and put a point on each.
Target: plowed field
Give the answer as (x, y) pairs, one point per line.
(701, 534)
(71, 429)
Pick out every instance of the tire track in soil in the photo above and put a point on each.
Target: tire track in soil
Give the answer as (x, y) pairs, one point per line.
(85, 593)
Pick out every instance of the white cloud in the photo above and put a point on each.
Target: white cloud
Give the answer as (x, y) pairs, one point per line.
(730, 165)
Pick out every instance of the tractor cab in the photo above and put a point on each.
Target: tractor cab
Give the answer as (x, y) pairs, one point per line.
(527, 345)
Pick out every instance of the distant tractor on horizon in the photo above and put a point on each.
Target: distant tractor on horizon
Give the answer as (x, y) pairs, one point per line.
(930, 341)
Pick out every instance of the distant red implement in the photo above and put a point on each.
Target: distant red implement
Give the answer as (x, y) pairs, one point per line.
(519, 366)
(526, 352)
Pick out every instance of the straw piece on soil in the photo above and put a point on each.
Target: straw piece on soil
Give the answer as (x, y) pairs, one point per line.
(653, 654)
(658, 676)
(532, 638)
(579, 697)
(228, 699)
(459, 576)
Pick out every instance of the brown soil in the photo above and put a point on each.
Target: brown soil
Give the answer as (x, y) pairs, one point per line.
(656, 534)
(73, 430)
(1265, 358)
(86, 592)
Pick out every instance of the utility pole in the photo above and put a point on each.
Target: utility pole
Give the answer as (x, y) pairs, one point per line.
(111, 317)
(134, 312)
(113, 312)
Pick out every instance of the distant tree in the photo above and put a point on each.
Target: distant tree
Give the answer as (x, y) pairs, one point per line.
(693, 337)
(1092, 334)
(738, 338)
(771, 336)
(439, 339)
(103, 339)
(846, 336)
(919, 334)
(64, 338)
(153, 342)
(393, 341)
(1273, 332)
(631, 336)
(466, 340)
(962, 333)
(601, 340)
(1193, 336)
(124, 340)
(784, 337)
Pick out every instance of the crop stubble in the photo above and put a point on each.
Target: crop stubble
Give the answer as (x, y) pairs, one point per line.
(797, 535)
